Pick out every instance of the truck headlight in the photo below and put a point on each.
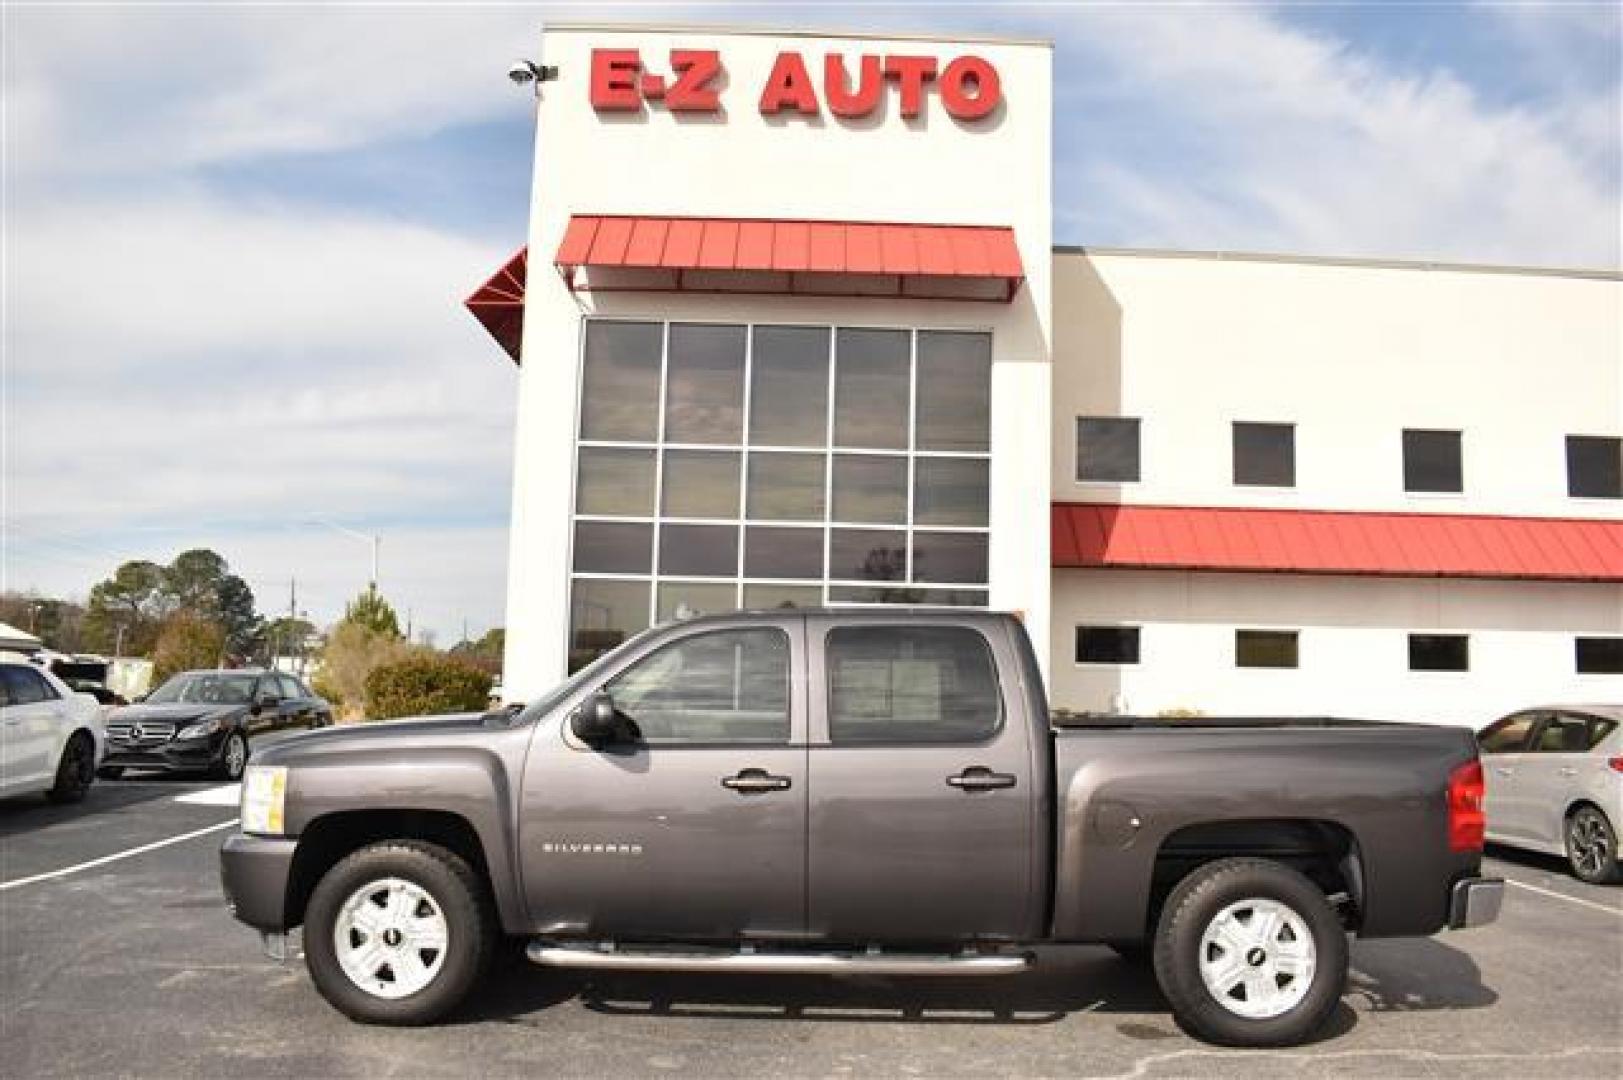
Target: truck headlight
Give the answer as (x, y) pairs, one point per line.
(264, 793)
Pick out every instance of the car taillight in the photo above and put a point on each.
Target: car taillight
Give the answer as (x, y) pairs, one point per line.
(1467, 822)
(1615, 764)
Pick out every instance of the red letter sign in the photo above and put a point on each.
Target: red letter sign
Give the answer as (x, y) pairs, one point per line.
(695, 69)
(964, 74)
(912, 72)
(614, 80)
(859, 102)
(789, 87)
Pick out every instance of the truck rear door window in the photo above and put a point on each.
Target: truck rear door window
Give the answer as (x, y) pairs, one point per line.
(729, 686)
(895, 684)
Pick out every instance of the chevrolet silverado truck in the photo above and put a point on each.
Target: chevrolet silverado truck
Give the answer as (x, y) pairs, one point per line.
(858, 792)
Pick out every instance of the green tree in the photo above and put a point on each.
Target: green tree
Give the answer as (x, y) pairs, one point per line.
(484, 653)
(133, 600)
(371, 610)
(201, 582)
(185, 643)
(425, 684)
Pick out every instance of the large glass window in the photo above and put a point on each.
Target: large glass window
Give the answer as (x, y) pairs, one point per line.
(620, 384)
(892, 684)
(760, 466)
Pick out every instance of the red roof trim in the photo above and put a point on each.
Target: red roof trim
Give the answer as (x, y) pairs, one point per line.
(795, 247)
(1336, 542)
(498, 304)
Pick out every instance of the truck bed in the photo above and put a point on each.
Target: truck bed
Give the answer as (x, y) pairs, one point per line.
(1111, 721)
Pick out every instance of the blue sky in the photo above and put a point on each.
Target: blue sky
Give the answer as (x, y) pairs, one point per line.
(236, 240)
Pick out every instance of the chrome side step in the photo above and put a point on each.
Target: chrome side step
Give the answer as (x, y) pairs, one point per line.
(594, 958)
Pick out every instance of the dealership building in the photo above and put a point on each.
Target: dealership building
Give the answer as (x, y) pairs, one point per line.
(792, 327)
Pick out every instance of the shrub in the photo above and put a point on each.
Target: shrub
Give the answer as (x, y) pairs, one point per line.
(186, 643)
(425, 685)
(352, 653)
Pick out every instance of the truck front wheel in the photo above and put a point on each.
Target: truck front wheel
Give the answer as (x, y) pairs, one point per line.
(1250, 953)
(398, 933)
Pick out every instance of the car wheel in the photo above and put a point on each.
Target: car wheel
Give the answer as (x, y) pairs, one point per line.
(1250, 953)
(233, 757)
(75, 771)
(1592, 846)
(398, 932)
(110, 772)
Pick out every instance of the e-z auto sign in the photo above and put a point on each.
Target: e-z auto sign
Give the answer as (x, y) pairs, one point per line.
(968, 86)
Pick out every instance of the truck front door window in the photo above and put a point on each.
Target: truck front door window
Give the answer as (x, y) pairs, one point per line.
(725, 687)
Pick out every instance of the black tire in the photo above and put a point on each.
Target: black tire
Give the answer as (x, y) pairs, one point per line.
(1192, 908)
(1592, 847)
(1133, 952)
(231, 765)
(462, 899)
(110, 772)
(75, 771)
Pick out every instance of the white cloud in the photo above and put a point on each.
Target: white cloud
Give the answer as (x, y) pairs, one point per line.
(1307, 143)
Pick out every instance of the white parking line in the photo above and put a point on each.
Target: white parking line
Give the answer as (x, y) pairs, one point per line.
(1564, 896)
(225, 795)
(115, 857)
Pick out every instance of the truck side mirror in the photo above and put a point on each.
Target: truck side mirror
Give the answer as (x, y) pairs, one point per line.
(596, 722)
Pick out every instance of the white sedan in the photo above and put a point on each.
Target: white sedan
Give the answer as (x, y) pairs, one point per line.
(1555, 784)
(51, 736)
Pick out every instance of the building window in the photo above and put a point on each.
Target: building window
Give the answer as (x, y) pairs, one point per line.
(1599, 655)
(1265, 455)
(1432, 461)
(1107, 449)
(1439, 652)
(1107, 644)
(1595, 467)
(721, 466)
(1265, 648)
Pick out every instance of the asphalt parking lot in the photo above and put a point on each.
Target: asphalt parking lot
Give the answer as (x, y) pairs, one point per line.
(133, 967)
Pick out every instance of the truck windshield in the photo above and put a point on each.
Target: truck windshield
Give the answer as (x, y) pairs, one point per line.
(213, 689)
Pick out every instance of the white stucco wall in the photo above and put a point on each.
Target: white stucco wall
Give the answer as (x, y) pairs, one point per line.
(1353, 644)
(1351, 355)
(741, 164)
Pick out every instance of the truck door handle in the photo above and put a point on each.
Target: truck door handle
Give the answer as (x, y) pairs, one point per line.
(980, 778)
(1567, 770)
(755, 782)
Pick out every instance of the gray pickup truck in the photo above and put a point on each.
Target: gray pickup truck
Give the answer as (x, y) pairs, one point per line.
(855, 793)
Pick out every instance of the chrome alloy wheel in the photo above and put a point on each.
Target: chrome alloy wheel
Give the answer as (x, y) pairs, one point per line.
(1257, 958)
(236, 756)
(1589, 842)
(390, 938)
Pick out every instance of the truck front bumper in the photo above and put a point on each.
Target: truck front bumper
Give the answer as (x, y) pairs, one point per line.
(1475, 902)
(254, 870)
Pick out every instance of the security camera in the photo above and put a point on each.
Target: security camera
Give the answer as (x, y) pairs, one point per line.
(524, 72)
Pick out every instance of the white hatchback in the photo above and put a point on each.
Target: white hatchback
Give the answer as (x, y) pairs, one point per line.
(1555, 784)
(51, 736)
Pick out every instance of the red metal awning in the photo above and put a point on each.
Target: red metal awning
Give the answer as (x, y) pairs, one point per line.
(498, 304)
(802, 258)
(1336, 542)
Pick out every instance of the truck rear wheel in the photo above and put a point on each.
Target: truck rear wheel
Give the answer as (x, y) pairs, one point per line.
(1250, 953)
(398, 933)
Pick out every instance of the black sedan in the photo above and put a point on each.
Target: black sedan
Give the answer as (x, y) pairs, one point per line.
(202, 721)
